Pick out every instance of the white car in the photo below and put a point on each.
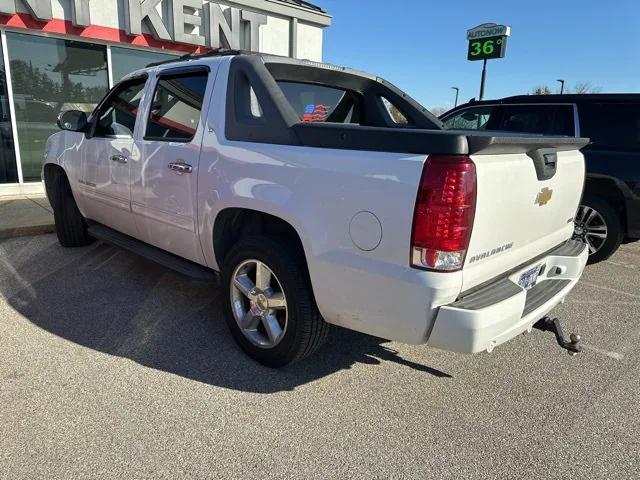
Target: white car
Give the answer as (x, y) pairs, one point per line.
(323, 195)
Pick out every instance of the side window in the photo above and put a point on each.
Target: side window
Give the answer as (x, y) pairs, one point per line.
(246, 104)
(177, 104)
(564, 121)
(394, 112)
(256, 108)
(117, 116)
(611, 125)
(528, 118)
(470, 119)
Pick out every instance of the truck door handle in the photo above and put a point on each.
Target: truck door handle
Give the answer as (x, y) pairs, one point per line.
(180, 167)
(119, 159)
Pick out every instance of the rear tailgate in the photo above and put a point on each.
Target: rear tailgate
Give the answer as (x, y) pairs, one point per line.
(525, 205)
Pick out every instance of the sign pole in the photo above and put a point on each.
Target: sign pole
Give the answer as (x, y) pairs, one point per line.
(483, 79)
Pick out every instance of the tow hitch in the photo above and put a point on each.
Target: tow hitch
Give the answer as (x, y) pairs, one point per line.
(548, 324)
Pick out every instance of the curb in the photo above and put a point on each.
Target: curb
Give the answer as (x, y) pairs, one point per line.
(26, 231)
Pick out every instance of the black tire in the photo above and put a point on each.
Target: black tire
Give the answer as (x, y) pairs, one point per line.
(306, 330)
(71, 227)
(611, 217)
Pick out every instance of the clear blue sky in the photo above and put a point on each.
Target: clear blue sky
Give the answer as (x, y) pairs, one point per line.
(421, 46)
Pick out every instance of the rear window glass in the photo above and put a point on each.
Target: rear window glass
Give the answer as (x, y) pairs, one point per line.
(315, 103)
(611, 125)
(470, 119)
(527, 119)
(540, 119)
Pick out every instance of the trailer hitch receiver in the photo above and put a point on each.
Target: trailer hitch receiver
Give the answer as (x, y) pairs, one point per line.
(548, 324)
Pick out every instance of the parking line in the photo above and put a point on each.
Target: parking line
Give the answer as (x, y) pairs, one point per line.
(614, 355)
(623, 265)
(600, 302)
(615, 290)
(16, 275)
(111, 257)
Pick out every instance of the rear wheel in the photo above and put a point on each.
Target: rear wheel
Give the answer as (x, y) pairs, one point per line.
(71, 227)
(272, 312)
(598, 225)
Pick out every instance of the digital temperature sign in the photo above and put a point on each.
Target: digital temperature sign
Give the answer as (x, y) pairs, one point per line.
(487, 41)
(487, 48)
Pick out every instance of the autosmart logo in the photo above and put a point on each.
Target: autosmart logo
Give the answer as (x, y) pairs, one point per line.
(495, 251)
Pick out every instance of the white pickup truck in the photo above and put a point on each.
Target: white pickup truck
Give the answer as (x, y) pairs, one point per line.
(323, 195)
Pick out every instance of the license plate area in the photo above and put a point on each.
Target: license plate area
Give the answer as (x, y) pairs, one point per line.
(529, 277)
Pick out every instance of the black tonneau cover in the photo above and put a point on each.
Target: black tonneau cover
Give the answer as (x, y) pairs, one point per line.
(420, 141)
(494, 142)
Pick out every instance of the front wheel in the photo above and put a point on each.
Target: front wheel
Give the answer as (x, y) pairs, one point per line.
(272, 312)
(71, 227)
(598, 225)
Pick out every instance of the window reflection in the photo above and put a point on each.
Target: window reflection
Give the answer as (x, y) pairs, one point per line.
(8, 169)
(49, 76)
(127, 60)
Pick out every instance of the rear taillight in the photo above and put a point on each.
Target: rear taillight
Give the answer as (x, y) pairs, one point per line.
(443, 217)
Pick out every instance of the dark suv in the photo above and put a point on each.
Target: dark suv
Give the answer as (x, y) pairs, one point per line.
(610, 208)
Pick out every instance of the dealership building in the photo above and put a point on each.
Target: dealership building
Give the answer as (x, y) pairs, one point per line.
(65, 54)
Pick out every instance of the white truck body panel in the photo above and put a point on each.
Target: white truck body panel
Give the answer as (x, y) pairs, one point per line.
(477, 330)
(319, 192)
(507, 213)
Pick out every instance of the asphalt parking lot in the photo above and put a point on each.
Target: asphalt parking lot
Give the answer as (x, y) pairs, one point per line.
(111, 366)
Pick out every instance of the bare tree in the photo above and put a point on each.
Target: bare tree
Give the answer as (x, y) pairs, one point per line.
(581, 87)
(541, 90)
(437, 111)
(585, 87)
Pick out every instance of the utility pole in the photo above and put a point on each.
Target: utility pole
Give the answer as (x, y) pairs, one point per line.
(455, 104)
(561, 86)
(484, 78)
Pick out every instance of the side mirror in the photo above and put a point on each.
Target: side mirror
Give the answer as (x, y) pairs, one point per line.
(73, 120)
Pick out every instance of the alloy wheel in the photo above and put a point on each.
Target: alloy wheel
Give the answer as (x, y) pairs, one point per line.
(590, 228)
(259, 304)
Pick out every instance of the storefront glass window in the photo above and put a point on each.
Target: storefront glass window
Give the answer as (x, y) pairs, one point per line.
(127, 60)
(8, 169)
(48, 76)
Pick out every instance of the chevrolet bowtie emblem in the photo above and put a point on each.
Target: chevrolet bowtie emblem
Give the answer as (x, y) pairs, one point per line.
(544, 196)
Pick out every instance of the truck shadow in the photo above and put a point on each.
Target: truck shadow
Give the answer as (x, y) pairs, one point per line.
(114, 302)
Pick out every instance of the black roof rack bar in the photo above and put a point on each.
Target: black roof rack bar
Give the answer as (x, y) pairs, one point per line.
(218, 52)
(171, 60)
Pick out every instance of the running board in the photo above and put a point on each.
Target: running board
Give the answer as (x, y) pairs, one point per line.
(157, 255)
